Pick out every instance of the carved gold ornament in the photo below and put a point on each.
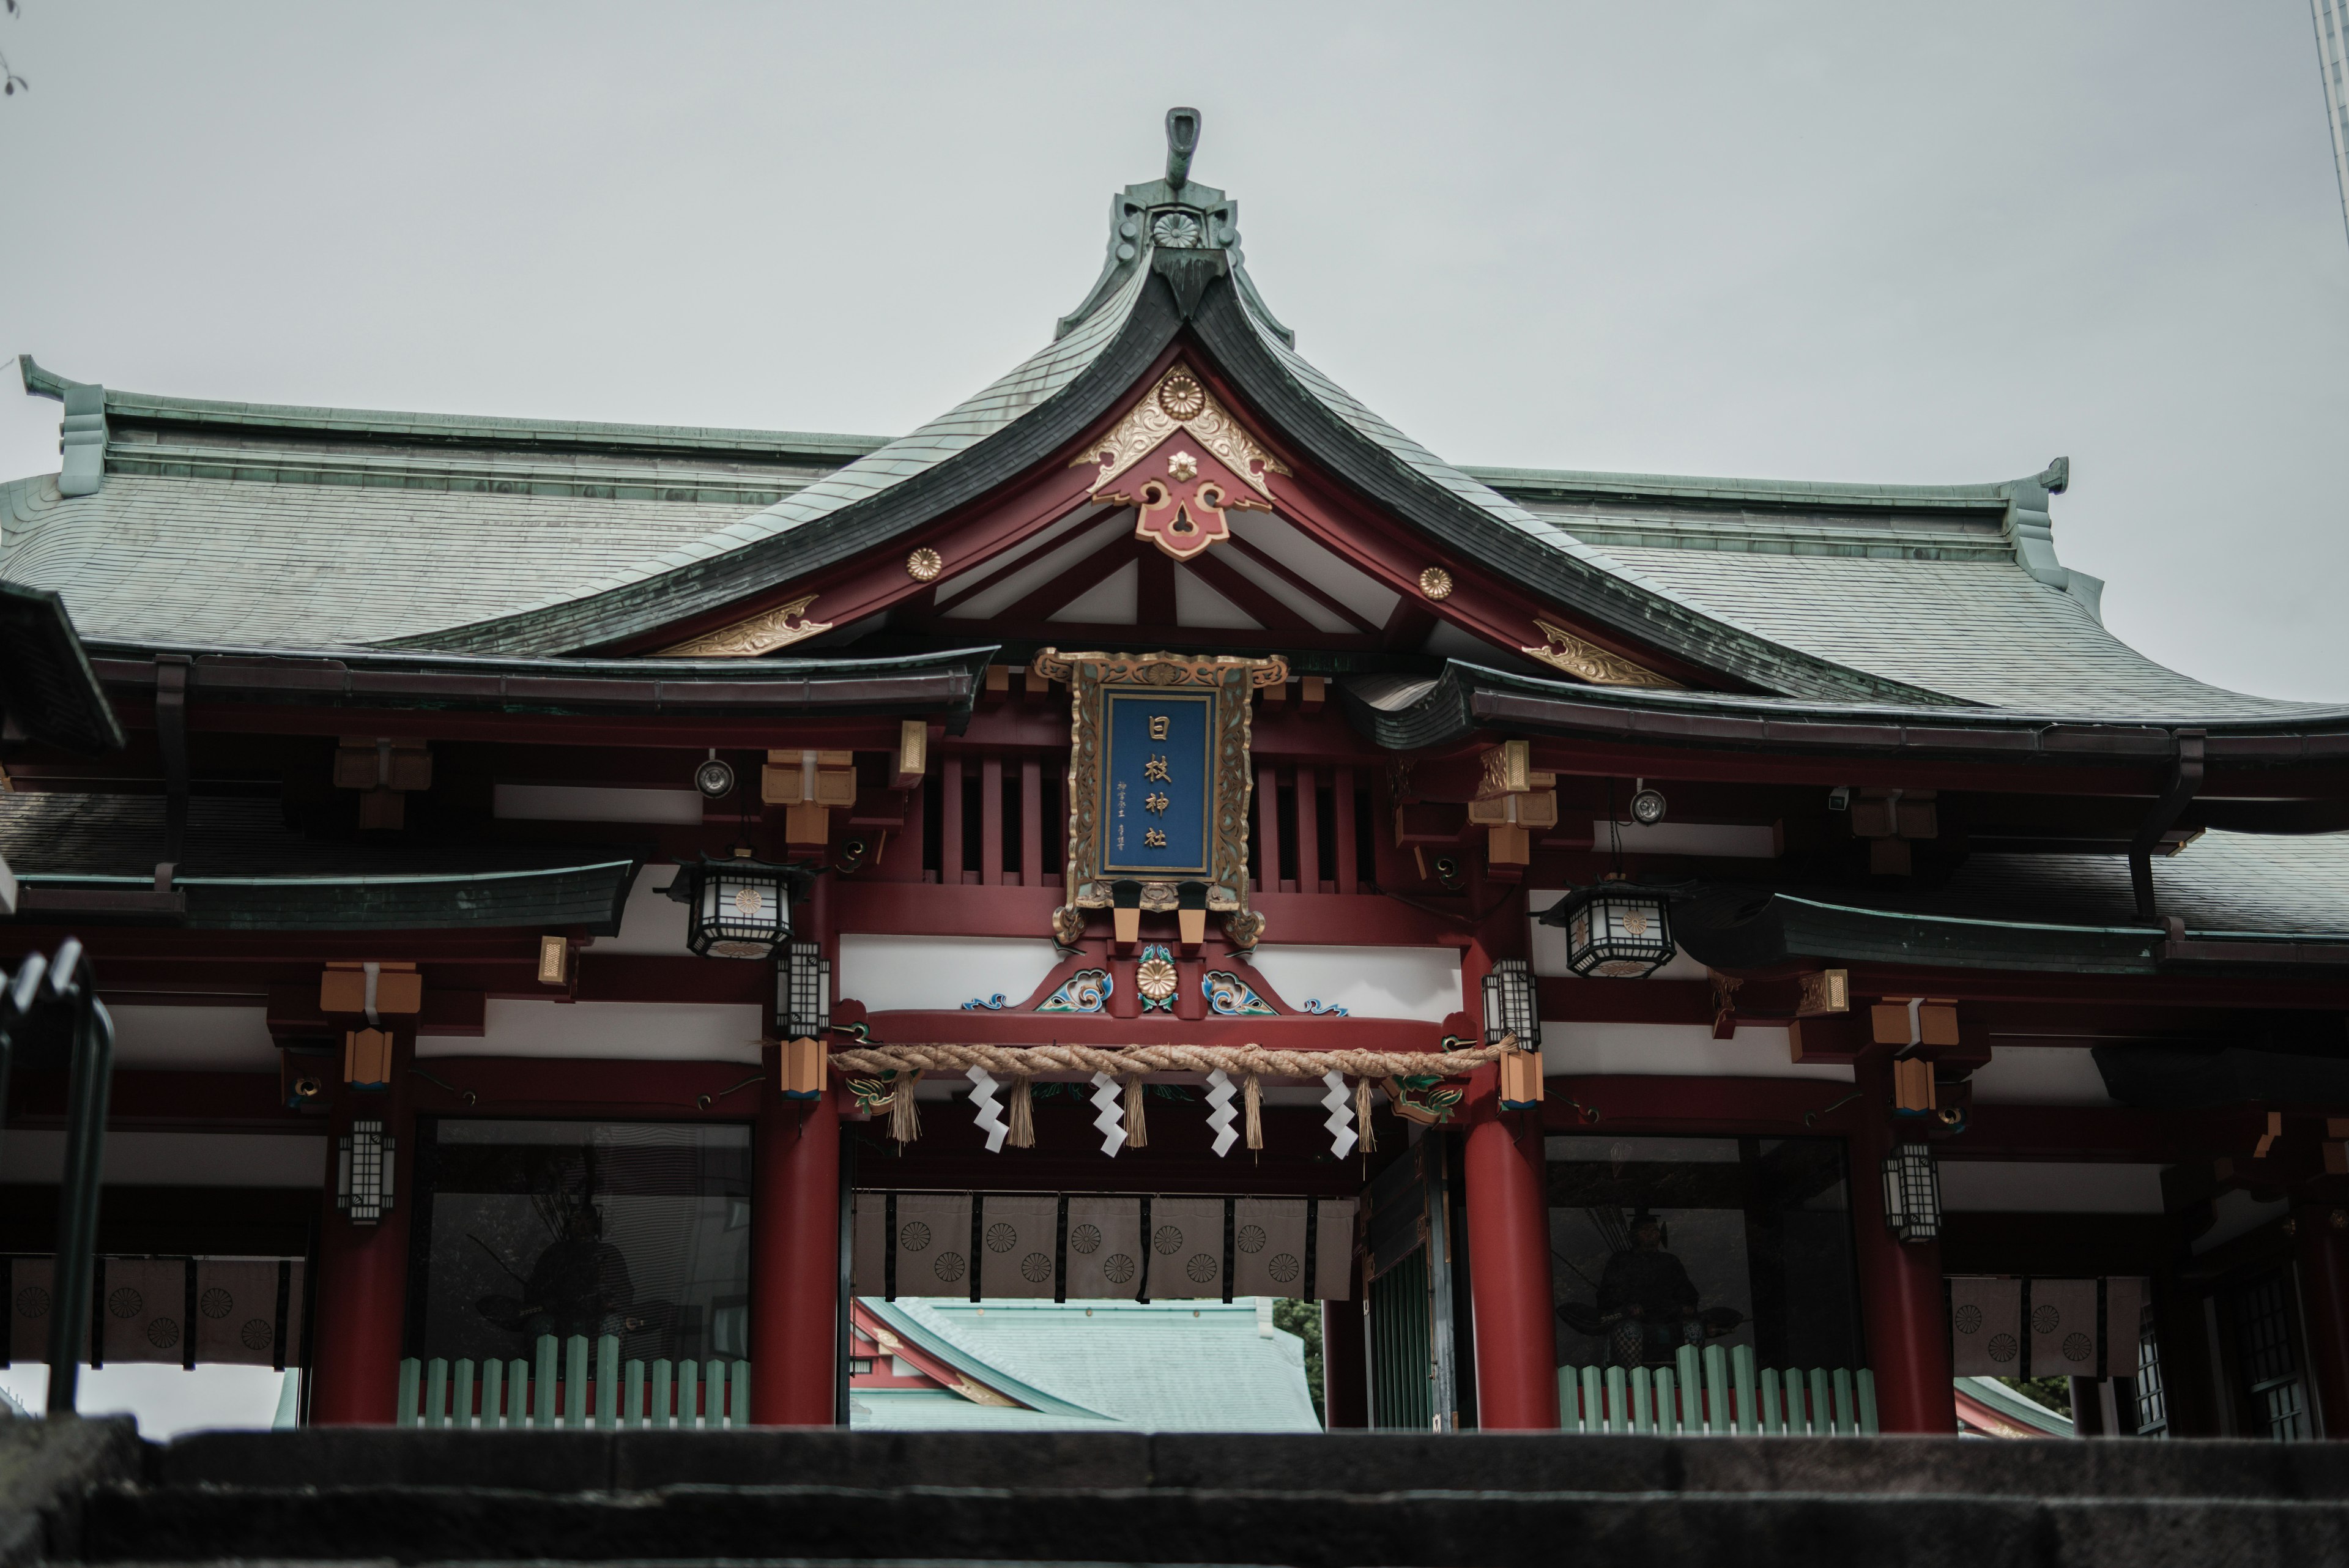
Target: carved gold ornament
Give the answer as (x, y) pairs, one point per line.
(924, 565)
(1181, 465)
(1588, 661)
(1180, 395)
(1180, 402)
(1435, 583)
(746, 638)
(1155, 978)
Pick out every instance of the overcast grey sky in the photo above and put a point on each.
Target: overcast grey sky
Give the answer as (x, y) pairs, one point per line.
(1864, 241)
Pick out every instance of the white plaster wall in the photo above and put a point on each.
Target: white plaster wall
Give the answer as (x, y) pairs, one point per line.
(194, 1039)
(2039, 1075)
(2049, 1187)
(625, 1030)
(176, 1158)
(1675, 1051)
(650, 922)
(938, 973)
(1368, 983)
(1547, 952)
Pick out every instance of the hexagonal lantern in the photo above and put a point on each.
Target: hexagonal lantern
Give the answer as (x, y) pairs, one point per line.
(1614, 930)
(739, 908)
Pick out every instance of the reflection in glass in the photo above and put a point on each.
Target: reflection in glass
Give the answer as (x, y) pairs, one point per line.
(636, 1229)
(1660, 1243)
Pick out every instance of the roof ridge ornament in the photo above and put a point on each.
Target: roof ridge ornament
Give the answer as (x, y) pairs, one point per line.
(1173, 213)
(1182, 140)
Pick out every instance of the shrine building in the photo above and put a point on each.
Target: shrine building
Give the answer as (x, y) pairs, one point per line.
(617, 924)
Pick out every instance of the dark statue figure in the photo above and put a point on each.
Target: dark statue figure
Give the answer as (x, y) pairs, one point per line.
(579, 1282)
(1648, 1306)
(1648, 1295)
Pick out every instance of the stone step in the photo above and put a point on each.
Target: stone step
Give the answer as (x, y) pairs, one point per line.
(1317, 1529)
(1353, 1462)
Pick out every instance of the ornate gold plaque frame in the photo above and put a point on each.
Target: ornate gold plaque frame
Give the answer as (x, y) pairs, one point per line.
(1091, 676)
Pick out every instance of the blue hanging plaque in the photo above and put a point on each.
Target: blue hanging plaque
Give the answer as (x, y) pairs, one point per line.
(1157, 783)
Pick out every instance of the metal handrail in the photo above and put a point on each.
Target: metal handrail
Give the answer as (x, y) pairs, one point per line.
(43, 989)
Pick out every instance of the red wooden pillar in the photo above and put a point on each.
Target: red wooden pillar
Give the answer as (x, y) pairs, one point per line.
(363, 1269)
(1508, 1268)
(1345, 1366)
(795, 1228)
(1901, 1292)
(795, 1259)
(2320, 1237)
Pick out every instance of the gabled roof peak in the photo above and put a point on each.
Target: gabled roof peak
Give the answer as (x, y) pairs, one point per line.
(1173, 213)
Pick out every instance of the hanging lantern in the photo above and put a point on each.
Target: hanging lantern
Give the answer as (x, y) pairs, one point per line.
(1513, 1012)
(803, 1017)
(363, 1172)
(739, 908)
(804, 983)
(1912, 1193)
(1512, 1005)
(1614, 930)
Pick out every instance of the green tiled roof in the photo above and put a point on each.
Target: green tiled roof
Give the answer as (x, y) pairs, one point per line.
(1201, 1366)
(993, 408)
(260, 563)
(1980, 631)
(222, 522)
(2014, 1407)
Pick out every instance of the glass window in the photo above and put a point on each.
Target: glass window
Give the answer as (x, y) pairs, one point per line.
(2271, 1371)
(640, 1229)
(1657, 1242)
(2152, 1395)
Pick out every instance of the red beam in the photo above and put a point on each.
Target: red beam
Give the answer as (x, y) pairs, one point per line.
(2104, 1132)
(917, 908)
(222, 1102)
(646, 977)
(1306, 1034)
(1611, 1001)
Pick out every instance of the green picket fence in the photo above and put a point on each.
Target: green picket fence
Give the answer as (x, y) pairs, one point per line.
(615, 1394)
(1717, 1393)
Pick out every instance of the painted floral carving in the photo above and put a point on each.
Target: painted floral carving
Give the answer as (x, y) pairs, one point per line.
(1230, 996)
(1087, 991)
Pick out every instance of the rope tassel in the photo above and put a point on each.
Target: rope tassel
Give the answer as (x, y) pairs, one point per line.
(905, 1121)
(1138, 1126)
(1362, 1115)
(1023, 1113)
(1252, 1103)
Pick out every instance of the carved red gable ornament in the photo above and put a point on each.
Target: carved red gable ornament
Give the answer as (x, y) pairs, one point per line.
(1181, 462)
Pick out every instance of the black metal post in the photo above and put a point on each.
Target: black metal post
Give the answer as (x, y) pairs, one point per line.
(91, 1074)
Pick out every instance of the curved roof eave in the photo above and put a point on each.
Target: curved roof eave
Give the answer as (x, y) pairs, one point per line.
(910, 482)
(1403, 713)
